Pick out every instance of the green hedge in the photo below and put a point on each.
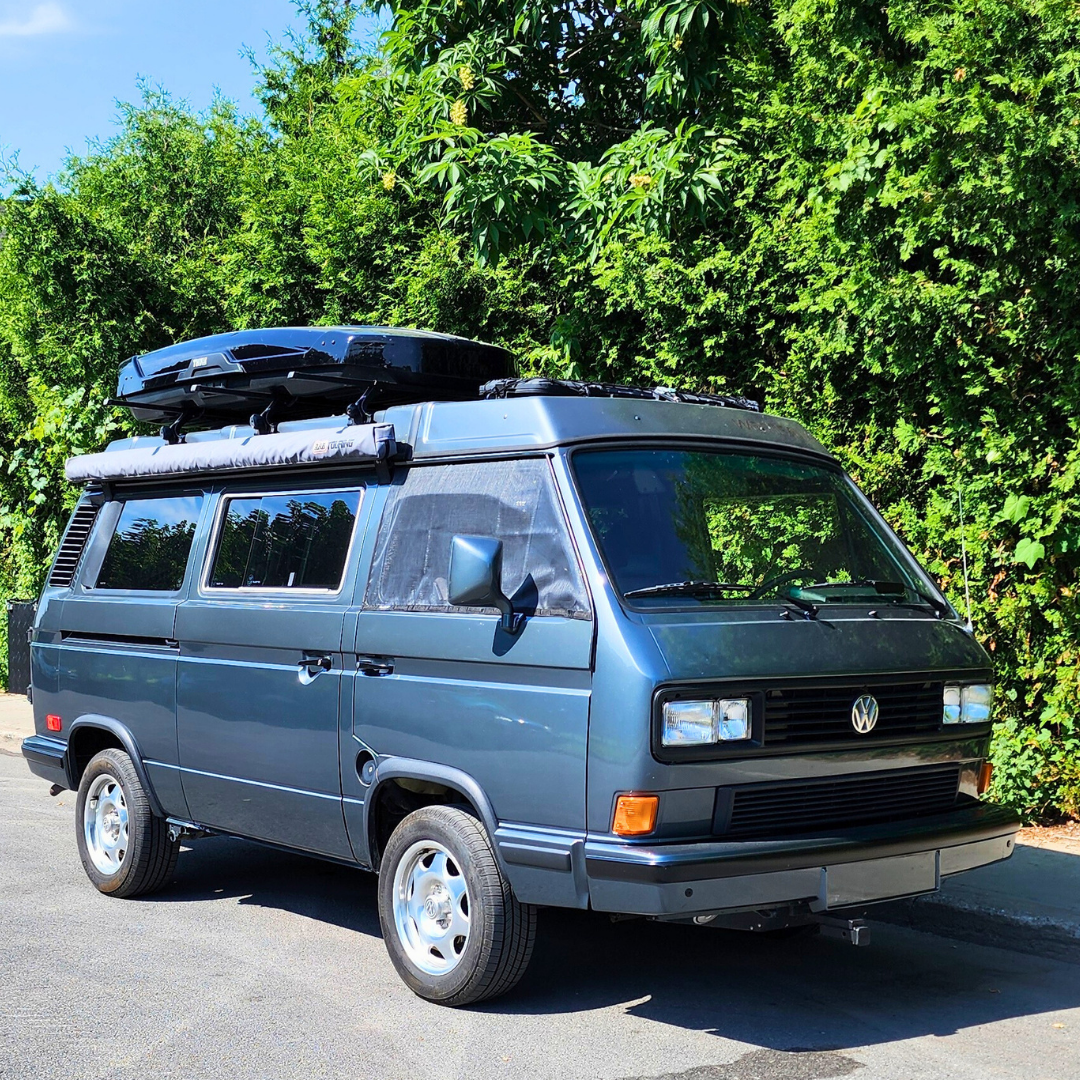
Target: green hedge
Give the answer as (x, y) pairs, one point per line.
(870, 213)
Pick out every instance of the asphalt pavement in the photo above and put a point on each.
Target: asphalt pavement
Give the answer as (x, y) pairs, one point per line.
(258, 964)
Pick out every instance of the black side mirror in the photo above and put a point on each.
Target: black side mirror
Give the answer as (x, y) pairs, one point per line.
(476, 578)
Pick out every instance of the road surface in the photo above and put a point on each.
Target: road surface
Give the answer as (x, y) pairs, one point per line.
(257, 964)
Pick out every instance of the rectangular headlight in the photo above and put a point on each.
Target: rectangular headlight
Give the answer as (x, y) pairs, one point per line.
(967, 704)
(703, 723)
(734, 719)
(975, 702)
(689, 723)
(951, 713)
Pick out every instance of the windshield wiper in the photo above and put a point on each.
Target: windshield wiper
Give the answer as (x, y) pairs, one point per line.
(883, 589)
(688, 588)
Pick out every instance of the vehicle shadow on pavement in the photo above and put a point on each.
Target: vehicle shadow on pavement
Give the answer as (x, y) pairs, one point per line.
(802, 994)
(219, 867)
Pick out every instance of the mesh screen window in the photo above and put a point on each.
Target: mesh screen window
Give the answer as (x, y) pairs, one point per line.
(298, 541)
(511, 501)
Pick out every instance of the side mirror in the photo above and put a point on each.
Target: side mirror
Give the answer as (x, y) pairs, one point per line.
(476, 577)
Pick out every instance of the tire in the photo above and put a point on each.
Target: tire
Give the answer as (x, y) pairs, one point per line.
(439, 875)
(124, 847)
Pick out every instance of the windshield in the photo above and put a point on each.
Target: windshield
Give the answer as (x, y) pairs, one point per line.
(688, 528)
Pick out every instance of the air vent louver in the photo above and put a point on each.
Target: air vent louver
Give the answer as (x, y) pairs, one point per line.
(71, 548)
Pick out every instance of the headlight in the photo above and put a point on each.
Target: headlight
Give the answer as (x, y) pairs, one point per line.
(689, 723)
(701, 723)
(967, 704)
(734, 719)
(975, 702)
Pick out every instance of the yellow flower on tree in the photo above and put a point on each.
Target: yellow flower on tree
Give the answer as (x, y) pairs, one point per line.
(640, 180)
(468, 79)
(458, 116)
(677, 43)
(389, 179)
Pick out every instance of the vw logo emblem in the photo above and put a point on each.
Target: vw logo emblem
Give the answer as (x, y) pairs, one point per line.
(864, 714)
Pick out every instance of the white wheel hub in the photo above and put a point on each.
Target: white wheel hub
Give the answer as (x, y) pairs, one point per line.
(105, 824)
(431, 907)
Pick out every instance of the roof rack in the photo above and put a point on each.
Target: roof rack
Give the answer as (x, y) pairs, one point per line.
(509, 388)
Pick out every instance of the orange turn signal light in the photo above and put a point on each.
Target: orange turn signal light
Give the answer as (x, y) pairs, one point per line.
(635, 815)
(986, 773)
(53, 723)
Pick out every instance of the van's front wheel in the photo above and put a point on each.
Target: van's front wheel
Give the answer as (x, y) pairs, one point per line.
(125, 849)
(452, 926)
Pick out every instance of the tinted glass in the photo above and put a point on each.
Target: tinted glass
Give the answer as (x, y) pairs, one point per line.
(150, 546)
(285, 541)
(760, 525)
(511, 501)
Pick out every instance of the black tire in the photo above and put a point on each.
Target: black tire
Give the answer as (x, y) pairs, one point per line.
(149, 859)
(502, 931)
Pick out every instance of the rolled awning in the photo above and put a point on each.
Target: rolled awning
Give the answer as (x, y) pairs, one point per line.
(361, 443)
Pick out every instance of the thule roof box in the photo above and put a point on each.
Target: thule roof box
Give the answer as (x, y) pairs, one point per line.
(298, 372)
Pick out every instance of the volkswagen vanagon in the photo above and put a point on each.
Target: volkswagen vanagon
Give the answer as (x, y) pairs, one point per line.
(548, 644)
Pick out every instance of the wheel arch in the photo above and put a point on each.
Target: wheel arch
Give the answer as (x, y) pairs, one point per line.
(453, 780)
(92, 733)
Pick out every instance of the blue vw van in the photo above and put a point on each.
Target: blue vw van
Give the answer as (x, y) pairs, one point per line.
(545, 644)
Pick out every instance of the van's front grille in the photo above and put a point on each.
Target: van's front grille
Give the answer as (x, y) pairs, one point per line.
(790, 807)
(813, 713)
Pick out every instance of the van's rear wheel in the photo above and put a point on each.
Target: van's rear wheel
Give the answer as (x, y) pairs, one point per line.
(125, 849)
(451, 923)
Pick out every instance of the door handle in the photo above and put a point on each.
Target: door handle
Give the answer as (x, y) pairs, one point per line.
(311, 667)
(375, 665)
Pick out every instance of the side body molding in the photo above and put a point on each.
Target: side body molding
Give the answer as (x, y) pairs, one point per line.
(107, 723)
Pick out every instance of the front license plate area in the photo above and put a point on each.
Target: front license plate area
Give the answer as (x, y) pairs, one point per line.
(877, 879)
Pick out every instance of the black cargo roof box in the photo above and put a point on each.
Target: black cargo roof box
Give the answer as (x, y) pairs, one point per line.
(302, 371)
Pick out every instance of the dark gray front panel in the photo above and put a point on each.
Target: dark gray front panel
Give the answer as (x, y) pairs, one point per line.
(258, 735)
(734, 645)
(512, 713)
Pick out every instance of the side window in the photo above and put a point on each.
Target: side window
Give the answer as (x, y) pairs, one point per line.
(295, 541)
(150, 545)
(512, 501)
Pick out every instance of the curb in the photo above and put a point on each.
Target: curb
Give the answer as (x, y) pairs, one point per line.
(995, 927)
(11, 741)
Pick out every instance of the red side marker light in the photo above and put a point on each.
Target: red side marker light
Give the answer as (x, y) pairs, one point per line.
(53, 723)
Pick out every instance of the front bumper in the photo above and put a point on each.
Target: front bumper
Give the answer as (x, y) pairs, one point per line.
(857, 866)
(45, 756)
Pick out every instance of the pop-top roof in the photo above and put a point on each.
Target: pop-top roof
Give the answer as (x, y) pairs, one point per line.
(446, 430)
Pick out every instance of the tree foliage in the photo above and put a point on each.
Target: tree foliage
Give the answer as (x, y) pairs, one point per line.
(868, 212)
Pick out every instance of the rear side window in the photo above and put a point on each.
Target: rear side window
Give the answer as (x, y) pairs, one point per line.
(511, 501)
(296, 541)
(150, 544)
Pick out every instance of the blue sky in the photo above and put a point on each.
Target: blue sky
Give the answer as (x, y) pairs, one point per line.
(65, 63)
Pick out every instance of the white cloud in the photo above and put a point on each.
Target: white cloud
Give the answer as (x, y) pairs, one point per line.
(47, 18)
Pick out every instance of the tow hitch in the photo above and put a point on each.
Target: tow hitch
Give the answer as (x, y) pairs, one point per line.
(854, 931)
(788, 921)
